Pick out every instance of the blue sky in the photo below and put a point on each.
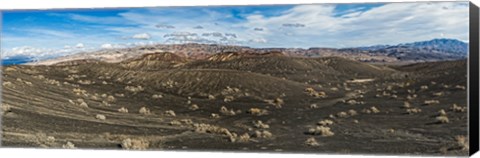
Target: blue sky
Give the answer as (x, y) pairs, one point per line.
(51, 33)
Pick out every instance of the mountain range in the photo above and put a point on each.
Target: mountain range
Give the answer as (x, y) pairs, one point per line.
(432, 50)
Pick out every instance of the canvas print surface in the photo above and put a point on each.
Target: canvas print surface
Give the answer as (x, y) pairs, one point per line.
(360, 78)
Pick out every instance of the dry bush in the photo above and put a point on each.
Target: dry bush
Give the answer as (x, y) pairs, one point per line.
(193, 107)
(135, 144)
(257, 111)
(28, 83)
(104, 82)
(68, 145)
(211, 97)
(6, 108)
(144, 111)
(105, 103)
(431, 102)
(413, 110)
(225, 111)
(111, 98)
(438, 94)
(321, 130)
(374, 109)
(313, 106)
(243, 138)
(442, 112)
(93, 97)
(407, 105)
(352, 112)
(84, 82)
(170, 113)
(157, 96)
(228, 99)
(311, 142)
(80, 103)
(325, 122)
(462, 141)
(263, 134)
(424, 87)
(260, 124)
(119, 94)
(411, 97)
(460, 87)
(123, 110)
(342, 114)
(214, 115)
(442, 119)
(186, 121)
(100, 117)
(207, 128)
(457, 108)
(7, 84)
(175, 123)
(355, 121)
(134, 89)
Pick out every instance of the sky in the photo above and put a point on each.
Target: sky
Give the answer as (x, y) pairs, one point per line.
(53, 33)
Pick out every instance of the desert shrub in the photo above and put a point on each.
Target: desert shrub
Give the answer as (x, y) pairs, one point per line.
(214, 115)
(325, 122)
(462, 141)
(119, 94)
(342, 114)
(28, 83)
(144, 111)
(457, 108)
(442, 112)
(228, 99)
(104, 82)
(194, 107)
(424, 87)
(355, 121)
(68, 145)
(93, 97)
(352, 112)
(123, 110)
(406, 105)
(207, 128)
(438, 94)
(135, 144)
(175, 123)
(257, 111)
(311, 142)
(411, 97)
(244, 138)
(260, 124)
(104, 95)
(313, 106)
(100, 117)
(321, 130)
(6, 108)
(134, 89)
(211, 97)
(105, 103)
(460, 87)
(263, 134)
(374, 109)
(111, 98)
(186, 121)
(225, 111)
(7, 84)
(157, 96)
(170, 113)
(431, 102)
(442, 119)
(413, 110)
(84, 82)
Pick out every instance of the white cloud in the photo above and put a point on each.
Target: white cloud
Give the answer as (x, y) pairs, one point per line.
(107, 46)
(392, 23)
(142, 36)
(79, 45)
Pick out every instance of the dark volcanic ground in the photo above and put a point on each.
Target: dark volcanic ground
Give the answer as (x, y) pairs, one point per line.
(76, 104)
